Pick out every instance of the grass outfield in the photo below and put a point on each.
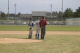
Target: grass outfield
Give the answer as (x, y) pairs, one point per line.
(52, 44)
(48, 28)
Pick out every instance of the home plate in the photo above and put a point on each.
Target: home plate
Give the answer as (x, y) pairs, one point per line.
(14, 40)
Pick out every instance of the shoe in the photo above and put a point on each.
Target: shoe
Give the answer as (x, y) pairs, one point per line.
(29, 37)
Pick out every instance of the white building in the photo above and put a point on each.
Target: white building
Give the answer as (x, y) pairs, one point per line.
(38, 13)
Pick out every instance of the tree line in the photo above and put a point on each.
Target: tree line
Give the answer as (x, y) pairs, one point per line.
(68, 13)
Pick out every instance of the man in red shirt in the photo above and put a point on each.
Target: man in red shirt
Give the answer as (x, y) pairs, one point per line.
(43, 24)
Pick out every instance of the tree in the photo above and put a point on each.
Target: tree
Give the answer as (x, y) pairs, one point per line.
(19, 14)
(3, 16)
(77, 13)
(68, 13)
(55, 13)
(60, 14)
(48, 13)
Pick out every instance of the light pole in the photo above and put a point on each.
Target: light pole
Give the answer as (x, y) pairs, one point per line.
(62, 10)
(15, 10)
(51, 9)
(0, 14)
(62, 7)
(8, 9)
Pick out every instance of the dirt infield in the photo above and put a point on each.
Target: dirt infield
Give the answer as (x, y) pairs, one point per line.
(47, 33)
(14, 40)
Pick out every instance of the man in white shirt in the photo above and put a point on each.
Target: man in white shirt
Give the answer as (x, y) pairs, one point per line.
(37, 28)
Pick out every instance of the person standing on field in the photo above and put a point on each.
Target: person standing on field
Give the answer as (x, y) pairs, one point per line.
(37, 28)
(31, 24)
(43, 24)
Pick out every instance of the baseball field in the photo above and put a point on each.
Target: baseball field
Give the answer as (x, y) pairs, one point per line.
(58, 39)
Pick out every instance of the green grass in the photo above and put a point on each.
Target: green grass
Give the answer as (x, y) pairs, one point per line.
(13, 28)
(51, 44)
(48, 28)
(63, 28)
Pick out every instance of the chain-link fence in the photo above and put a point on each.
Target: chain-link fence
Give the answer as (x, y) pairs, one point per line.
(51, 21)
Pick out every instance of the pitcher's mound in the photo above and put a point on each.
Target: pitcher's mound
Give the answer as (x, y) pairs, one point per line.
(14, 40)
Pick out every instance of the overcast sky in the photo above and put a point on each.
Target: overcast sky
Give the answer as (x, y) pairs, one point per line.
(27, 6)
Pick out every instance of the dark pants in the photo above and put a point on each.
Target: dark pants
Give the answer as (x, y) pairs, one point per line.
(42, 32)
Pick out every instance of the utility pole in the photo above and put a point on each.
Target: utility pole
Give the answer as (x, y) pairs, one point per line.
(15, 10)
(8, 9)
